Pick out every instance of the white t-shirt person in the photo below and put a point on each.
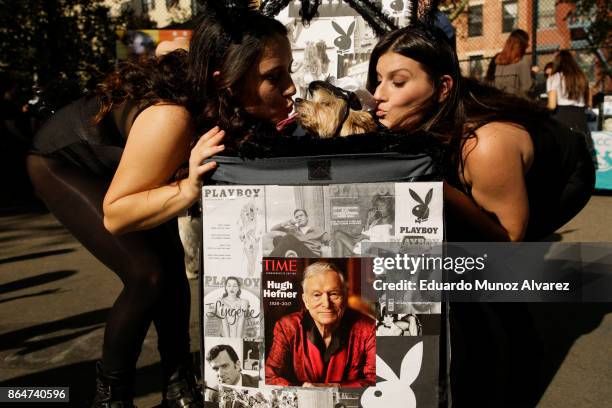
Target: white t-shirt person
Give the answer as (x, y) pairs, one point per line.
(556, 82)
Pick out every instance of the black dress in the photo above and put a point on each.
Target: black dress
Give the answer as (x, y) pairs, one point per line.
(71, 136)
(71, 164)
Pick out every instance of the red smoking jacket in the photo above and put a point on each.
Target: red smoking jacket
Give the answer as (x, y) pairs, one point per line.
(293, 359)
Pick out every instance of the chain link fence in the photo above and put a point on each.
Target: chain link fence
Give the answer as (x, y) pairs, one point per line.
(482, 27)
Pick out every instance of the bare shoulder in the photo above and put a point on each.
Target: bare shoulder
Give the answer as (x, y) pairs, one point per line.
(161, 126)
(496, 143)
(164, 114)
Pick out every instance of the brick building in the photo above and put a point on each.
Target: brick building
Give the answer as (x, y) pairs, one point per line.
(484, 26)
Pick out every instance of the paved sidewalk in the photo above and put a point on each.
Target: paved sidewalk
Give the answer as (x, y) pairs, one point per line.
(54, 297)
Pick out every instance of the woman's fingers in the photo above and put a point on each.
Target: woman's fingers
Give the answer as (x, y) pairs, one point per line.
(211, 138)
(205, 168)
(210, 151)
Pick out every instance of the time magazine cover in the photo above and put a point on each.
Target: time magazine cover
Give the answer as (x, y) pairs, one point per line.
(318, 329)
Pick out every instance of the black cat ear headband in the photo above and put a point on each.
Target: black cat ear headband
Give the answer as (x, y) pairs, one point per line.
(229, 12)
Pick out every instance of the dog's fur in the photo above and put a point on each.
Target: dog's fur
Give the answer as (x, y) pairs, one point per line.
(322, 114)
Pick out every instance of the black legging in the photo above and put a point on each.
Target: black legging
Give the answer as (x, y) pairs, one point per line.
(149, 263)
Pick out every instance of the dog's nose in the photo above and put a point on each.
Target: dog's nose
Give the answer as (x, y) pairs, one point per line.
(298, 100)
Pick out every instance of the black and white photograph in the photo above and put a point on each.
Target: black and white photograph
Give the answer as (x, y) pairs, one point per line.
(296, 223)
(394, 324)
(360, 213)
(232, 233)
(224, 366)
(232, 306)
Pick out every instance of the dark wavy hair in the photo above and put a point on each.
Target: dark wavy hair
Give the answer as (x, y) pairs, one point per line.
(186, 78)
(208, 54)
(428, 46)
(149, 80)
(469, 104)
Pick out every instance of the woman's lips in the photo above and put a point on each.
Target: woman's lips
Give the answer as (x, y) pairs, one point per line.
(380, 113)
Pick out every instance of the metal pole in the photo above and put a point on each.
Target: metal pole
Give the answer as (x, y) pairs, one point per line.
(534, 32)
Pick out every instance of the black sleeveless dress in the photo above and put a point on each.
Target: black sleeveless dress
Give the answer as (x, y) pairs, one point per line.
(69, 135)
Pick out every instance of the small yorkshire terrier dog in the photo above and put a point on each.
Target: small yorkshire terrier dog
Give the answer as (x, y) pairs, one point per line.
(332, 111)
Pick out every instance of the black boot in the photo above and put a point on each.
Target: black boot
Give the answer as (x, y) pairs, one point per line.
(114, 390)
(181, 389)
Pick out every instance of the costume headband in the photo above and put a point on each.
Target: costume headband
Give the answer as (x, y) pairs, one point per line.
(229, 12)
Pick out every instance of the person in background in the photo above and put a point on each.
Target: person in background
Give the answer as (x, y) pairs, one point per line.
(512, 68)
(569, 95)
(540, 77)
(489, 77)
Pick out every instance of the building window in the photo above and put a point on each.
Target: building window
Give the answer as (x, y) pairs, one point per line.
(148, 5)
(509, 15)
(475, 20)
(475, 67)
(547, 15)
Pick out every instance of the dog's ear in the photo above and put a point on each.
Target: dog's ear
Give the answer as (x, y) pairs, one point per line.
(358, 122)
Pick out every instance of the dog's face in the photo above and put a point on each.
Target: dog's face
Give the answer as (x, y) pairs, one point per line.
(324, 112)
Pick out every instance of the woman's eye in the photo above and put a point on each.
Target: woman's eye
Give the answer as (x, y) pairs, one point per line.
(273, 78)
(398, 84)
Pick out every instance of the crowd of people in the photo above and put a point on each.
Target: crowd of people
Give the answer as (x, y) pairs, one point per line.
(561, 86)
(117, 167)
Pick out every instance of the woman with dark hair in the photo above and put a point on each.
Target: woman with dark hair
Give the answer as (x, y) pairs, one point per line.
(378, 227)
(512, 68)
(568, 93)
(107, 166)
(515, 175)
(512, 174)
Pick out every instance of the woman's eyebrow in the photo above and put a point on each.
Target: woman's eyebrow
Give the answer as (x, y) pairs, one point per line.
(271, 70)
(395, 71)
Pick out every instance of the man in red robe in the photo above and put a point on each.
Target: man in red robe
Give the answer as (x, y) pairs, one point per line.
(327, 344)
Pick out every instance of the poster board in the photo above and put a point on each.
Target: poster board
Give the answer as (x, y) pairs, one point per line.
(258, 242)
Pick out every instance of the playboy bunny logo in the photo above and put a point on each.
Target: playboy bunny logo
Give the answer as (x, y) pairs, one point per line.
(395, 9)
(394, 391)
(421, 210)
(343, 41)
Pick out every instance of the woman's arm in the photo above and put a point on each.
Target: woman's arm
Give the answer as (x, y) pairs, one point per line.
(471, 217)
(141, 195)
(553, 84)
(552, 100)
(495, 165)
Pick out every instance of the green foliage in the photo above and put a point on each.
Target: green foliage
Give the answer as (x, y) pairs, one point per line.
(598, 13)
(46, 40)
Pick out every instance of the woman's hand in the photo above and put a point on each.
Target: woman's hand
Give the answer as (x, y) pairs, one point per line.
(205, 148)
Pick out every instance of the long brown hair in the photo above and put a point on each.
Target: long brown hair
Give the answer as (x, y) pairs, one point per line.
(514, 48)
(148, 80)
(576, 84)
(468, 105)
